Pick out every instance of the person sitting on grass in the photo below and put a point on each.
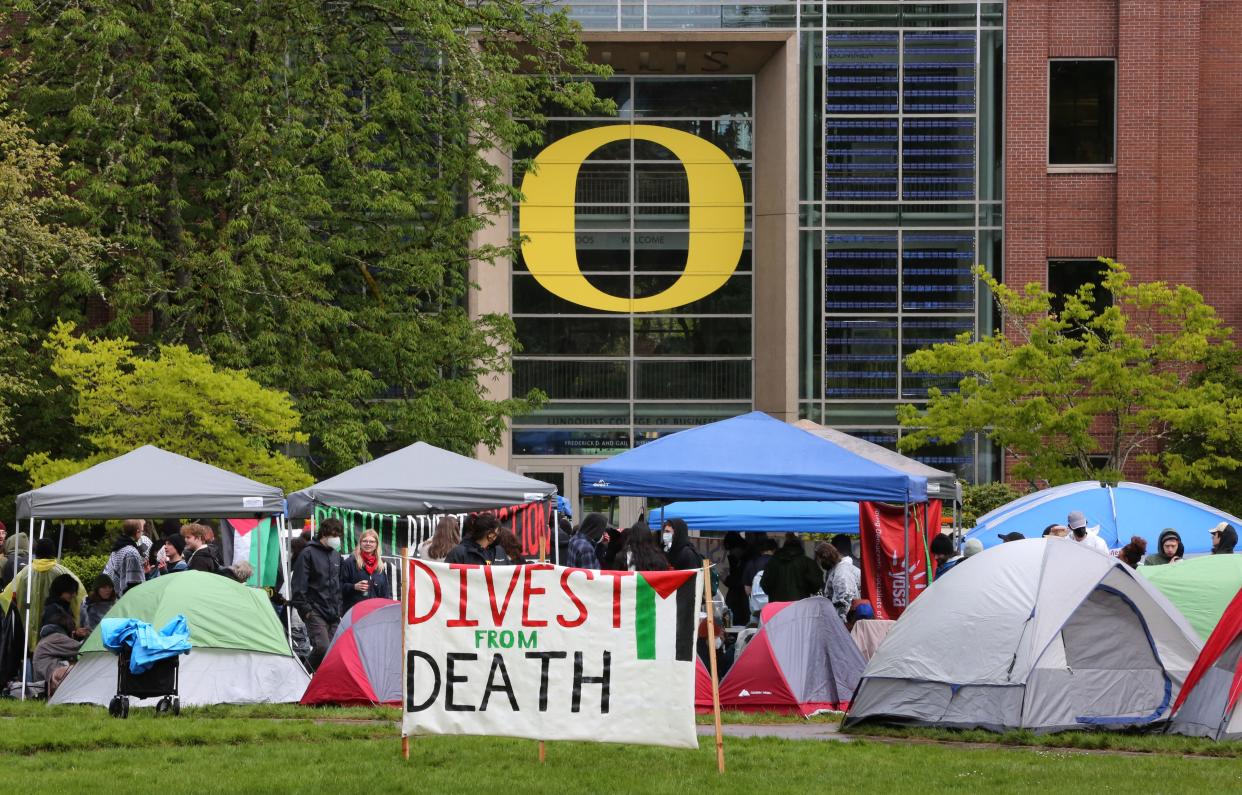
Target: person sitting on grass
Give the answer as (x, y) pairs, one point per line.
(60, 637)
(97, 603)
(37, 577)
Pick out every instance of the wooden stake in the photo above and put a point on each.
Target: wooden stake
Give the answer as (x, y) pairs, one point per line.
(405, 613)
(711, 656)
(543, 558)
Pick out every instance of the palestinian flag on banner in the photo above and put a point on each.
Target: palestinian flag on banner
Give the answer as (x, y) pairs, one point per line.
(665, 599)
(257, 542)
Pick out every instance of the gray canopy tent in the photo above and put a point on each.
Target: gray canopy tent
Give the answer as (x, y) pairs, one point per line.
(420, 480)
(146, 482)
(941, 485)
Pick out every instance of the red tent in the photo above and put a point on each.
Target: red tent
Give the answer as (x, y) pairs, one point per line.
(802, 660)
(363, 664)
(1208, 704)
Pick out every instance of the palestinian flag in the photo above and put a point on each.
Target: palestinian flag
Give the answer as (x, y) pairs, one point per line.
(665, 614)
(257, 542)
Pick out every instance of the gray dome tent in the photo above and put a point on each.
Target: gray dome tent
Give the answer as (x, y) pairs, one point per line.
(1040, 634)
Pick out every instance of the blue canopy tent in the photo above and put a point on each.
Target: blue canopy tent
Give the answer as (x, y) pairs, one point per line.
(751, 457)
(765, 517)
(1120, 511)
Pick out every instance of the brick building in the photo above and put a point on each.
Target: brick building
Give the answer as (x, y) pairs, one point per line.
(880, 149)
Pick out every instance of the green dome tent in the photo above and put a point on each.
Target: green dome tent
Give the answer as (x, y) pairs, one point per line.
(1199, 587)
(239, 655)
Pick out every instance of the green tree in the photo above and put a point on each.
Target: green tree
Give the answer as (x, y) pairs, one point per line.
(46, 258)
(293, 188)
(1080, 392)
(176, 400)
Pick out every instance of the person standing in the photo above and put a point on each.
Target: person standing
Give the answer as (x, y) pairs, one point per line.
(1169, 549)
(1224, 539)
(201, 557)
(583, 543)
(446, 536)
(1077, 523)
(642, 552)
(125, 564)
(316, 588)
(790, 575)
(174, 554)
(681, 553)
(842, 580)
(362, 573)
(478, 541)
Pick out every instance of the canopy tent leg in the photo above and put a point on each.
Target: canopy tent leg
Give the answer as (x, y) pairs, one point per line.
(905, 548)
(556, 537)
(29, 591)
(41, 525)
(60, 544)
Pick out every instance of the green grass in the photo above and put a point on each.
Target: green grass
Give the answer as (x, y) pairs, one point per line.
(1103, 741)
(291, 749)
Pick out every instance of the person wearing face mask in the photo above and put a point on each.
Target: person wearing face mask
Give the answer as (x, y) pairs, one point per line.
(681, 554)
(316, 588)
(478, 541)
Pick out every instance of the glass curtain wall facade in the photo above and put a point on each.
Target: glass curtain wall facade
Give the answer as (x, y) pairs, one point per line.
(900, 189)
(620, 379)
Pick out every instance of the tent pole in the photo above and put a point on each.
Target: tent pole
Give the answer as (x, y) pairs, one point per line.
(556, 537)
(29, 589)
(711, 656)
(42, 522)
(405, 616)
(905, 548)
(60, 544)
(283, 535)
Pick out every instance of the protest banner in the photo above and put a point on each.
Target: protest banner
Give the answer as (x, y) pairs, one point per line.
(550, 653)
(896, 569)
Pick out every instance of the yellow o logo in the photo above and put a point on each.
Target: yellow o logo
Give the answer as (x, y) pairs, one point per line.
(717, 218)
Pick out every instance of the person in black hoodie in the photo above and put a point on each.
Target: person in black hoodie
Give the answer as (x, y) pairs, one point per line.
(1224, 539)
(362, 573)
(790, 575)
(1169, 549)
(478, 537)
(316, 588)
(681, 554)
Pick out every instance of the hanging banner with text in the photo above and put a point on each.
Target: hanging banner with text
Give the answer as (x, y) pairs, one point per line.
(551, 653)
(896, 570)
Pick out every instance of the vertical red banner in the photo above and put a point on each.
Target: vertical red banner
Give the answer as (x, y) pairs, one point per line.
(896, 570)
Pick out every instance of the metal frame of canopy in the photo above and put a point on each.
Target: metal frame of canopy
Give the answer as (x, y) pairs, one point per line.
(282, 531)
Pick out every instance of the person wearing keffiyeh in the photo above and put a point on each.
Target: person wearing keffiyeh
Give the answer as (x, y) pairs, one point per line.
(362, 573)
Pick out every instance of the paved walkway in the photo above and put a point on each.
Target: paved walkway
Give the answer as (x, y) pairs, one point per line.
(784, 731)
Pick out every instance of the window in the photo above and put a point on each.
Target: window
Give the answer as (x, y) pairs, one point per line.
(1081, 112)
(1065, 276)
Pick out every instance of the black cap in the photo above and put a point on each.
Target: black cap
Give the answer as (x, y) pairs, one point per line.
(1010, 536)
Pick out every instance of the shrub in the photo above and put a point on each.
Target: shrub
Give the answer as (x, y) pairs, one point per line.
(85, 567)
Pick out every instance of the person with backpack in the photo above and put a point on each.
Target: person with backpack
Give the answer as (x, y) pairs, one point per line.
(791, 575)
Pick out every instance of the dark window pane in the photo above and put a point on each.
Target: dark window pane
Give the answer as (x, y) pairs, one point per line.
(691, 336)
(732, 136)
(603, 183)
(574, 336)
(570, 380)
(1081, 112)
(860, 273)
(861, 73)
(693, 98)
(731, 299)
(1065, 276)
(860, 359)
(713, 379)
(532, 298)
(936, 272)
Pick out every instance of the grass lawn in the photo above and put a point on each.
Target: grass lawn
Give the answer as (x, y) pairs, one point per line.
(290, 749)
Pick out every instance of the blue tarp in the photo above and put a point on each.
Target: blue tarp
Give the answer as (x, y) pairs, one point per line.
(756, 516)
(1121, 511)
(149, 646)
(751, 457)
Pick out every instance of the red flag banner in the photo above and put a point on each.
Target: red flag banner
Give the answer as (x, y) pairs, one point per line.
(896, 571)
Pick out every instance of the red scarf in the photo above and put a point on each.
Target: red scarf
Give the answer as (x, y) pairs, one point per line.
(370, 561)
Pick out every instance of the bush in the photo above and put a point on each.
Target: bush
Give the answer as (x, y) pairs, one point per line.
(979, 500)
(85, 567)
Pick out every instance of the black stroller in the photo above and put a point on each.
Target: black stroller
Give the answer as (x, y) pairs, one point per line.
(158, 681)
